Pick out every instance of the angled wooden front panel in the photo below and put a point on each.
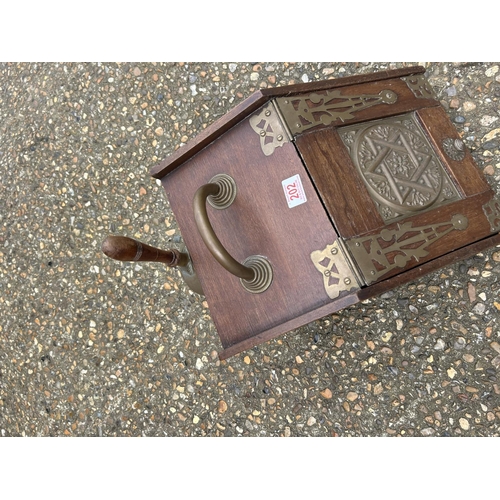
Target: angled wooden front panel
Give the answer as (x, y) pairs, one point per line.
(259, 222)
(401, 190)
(443, 134)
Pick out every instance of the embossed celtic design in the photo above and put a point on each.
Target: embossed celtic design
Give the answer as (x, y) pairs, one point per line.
(402, 172)
(420, 86)
(378, 254)
(302, 112)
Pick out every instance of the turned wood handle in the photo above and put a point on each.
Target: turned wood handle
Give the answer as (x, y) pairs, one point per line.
(127, 249)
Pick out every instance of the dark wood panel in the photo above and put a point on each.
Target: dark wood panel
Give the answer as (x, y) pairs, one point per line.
(465, 172)
(341, 189)
(330, 308)
(258, 223)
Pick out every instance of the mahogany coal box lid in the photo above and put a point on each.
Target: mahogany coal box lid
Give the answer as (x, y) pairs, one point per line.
(306, 199)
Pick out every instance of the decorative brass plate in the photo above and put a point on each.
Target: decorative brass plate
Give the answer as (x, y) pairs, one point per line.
(337, 274)
(378, 254)
(402, 172)
(304, 111)
(267, 123)
(492, 212)
(420, 86)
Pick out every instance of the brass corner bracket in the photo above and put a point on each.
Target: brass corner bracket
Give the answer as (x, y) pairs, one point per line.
(268, 125)
(333, 265)
(492, 212)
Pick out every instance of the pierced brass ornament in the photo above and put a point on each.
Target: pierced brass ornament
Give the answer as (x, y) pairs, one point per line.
(420, 86)
(267, 124)
(378, 254)
(302, 112)
(337, 274)
(492, 212)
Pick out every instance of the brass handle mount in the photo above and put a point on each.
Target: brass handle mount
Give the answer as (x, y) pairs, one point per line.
(255, 272)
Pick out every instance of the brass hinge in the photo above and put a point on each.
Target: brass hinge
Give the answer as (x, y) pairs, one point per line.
(333, 264)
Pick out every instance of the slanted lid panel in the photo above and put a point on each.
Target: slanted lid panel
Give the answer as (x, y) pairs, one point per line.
(257, 99)
(322, 126)
(210, 134)
(299, 88)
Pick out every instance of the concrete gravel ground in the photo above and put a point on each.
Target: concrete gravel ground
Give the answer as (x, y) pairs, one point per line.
(95, 347)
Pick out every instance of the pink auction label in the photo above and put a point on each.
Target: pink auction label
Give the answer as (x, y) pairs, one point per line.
(294, 191)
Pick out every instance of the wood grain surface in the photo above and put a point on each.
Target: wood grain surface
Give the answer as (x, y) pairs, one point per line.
(465, 173)
(339, 185)
(333, 83)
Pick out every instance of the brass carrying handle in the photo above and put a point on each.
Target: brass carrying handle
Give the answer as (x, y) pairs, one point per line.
(255, 272)
(210, 238)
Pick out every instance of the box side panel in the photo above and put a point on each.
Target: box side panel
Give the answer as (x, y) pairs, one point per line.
(261, 221)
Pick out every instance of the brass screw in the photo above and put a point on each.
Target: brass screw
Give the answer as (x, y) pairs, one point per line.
(262, 133)
(334, 251)
(280, 137)
(268, 112)
(327, 273)
(347, 281)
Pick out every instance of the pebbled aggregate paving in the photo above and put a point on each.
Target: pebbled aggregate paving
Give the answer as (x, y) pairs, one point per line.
(95, 347)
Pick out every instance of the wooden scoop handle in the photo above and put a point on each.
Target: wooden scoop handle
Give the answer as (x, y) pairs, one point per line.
(128, 249)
